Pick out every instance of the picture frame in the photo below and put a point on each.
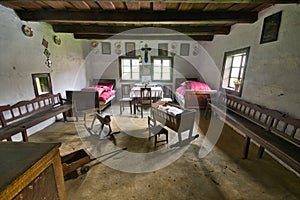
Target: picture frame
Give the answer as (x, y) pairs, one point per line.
(42, 84)
(130, 48)
(163, 49)
(270, 28)
(184, 49)
(106, 48)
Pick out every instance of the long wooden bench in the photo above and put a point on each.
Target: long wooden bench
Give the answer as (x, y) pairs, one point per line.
(274, 131)
(18, 118)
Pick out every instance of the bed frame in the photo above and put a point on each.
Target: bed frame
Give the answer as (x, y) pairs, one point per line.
(85, 100)
(194, 98)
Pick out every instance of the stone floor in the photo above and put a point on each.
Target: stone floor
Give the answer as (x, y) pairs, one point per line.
(142, 172)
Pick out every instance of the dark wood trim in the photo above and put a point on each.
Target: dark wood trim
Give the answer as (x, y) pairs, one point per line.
(145, 37)
(189, 17)
(188, 1)
(108, 30)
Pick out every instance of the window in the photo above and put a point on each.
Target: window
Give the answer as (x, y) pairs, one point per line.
(162, 68)
(129, 68)
(233, 71)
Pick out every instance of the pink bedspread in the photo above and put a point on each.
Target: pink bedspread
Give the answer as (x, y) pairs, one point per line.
(105, 92)
(192, 85)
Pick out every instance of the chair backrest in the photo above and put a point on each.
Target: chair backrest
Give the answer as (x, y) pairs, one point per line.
(151, 123)
(125, 89)
(146, 96)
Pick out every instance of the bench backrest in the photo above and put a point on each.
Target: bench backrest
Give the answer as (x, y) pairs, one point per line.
(252, 112)
(22, 109)
(272, 120)
(285, 126)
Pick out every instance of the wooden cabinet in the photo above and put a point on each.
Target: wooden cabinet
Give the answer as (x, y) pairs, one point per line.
(31, 171)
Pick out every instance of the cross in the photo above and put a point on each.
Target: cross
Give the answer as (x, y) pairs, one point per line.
(146, 49)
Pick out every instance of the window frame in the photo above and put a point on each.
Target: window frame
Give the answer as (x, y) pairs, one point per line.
(120, 68)
(231, 54)
(171, 71)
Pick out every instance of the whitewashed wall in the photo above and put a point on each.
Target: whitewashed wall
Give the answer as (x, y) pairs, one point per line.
(273, 71)
(21, 56)
(107, 66)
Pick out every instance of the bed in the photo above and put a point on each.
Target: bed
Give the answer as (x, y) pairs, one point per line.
(191, 93)
(99, 95)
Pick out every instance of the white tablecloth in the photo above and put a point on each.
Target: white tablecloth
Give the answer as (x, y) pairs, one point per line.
(155, 92)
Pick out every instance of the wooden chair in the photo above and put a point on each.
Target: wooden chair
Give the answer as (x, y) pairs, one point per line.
(125, 101)
(156, 130)
(145, 99)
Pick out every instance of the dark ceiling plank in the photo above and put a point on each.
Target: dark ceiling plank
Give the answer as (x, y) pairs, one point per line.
(137, 16)
(217, 7)
(243, 6)
(82, 5)
(93, 29)
(145, 5)
(106, 5)
(133, 5)
(172, 6)
(185, 6)
(176, 1)
(119, 5)
(93, 5)
(143, 37)
(158, 6)
(60, 5)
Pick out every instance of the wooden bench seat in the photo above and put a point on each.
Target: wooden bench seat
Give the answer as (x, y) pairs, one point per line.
(272, 130)
(26, 114)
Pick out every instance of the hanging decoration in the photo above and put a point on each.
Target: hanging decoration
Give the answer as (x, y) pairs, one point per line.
(146, 49)
(27, 30)
(173, 49)
(118, 48)
(196, 49)
(56, 39)
(47, 53)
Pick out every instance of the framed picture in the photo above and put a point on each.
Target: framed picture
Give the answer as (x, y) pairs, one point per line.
(42, 84)
(130, 48)
(270, 28)
(106, 49)
(184, 49)
(163, 49)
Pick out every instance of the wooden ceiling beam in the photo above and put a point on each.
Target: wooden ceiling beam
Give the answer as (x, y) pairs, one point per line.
(143, 37)
(177, 1)
(159, 17)
(96, 29)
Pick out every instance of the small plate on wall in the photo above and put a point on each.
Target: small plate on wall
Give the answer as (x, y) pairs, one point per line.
(57, 40)
(27, 30)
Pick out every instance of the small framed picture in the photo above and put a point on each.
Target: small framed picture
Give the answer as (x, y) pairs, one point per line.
(163, 49)
(270, 28)
(184, 49)
(106, 49)
(130, 48)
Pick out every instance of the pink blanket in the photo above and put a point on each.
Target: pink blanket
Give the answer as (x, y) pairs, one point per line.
(192, 85)
(104, 91)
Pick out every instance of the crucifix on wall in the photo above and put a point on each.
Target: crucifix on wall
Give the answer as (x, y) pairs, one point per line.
(146, 49)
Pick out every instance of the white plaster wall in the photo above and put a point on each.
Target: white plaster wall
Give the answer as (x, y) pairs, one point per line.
(107, 66)
(273, 71)
(21, 56)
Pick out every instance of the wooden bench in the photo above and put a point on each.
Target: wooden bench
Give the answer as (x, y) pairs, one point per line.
(272, 130)
(26, 114)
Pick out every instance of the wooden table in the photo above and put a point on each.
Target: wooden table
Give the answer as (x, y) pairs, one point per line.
(135, 94)
(31, 171)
